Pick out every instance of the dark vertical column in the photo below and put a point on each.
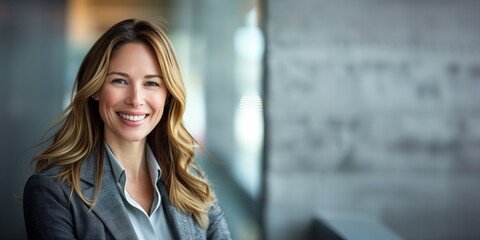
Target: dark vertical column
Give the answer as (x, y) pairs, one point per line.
(32, 52)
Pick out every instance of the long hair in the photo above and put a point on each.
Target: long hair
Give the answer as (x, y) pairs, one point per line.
(80, 128)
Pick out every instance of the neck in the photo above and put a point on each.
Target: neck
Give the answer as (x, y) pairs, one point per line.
(131, 155)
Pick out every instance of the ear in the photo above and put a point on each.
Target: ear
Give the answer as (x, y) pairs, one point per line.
(95, 96)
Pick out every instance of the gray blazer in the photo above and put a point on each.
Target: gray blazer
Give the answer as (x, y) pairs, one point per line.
(52, 212)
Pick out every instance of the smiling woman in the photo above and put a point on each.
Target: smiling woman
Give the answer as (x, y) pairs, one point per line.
(132, 97)
(121, 164)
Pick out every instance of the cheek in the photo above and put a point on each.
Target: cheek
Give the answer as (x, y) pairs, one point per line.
(102, 110)
(109, 98)
(105, 104)
(160, 107)
(160, 101)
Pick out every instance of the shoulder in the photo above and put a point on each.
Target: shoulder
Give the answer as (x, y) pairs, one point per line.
(49, 175)
(45, 182)
(218, 227)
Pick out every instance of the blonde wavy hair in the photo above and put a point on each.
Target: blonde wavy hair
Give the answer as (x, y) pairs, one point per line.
(80, 128)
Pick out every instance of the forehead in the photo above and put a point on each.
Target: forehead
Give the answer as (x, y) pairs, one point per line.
(134, 56)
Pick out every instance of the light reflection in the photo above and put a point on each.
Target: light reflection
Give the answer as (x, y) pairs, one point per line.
(249, 139)
(248, 119)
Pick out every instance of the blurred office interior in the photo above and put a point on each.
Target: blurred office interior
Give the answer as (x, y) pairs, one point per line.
(324, 119)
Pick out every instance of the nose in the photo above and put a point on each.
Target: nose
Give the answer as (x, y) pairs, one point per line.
(135, 96)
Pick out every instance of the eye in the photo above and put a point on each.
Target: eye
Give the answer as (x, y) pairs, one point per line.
(119, 81)
(152, 84)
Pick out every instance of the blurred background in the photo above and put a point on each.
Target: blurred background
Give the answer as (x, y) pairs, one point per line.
(325, 119)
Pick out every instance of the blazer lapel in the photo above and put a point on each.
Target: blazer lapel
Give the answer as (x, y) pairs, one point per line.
(183, 224)
(109, 206)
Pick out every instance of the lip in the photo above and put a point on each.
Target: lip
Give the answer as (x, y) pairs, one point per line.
(133, 113)
(132, 123)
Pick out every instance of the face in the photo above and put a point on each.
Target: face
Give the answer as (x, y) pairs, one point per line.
(132, 97)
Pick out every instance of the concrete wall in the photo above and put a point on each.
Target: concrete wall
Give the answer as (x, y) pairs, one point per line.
(372, 108)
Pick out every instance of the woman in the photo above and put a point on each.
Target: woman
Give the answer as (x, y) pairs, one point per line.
(121, 164)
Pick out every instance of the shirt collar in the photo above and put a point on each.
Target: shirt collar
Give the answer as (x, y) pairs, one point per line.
(118, 170)
(116, 166)
(153, 167)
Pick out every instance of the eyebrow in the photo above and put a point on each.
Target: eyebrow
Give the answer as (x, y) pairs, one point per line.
(126, 75)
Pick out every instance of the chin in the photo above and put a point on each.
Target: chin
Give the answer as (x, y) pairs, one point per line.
(134, 138)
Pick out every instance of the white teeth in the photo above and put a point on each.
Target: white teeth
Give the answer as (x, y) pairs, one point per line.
(135, 118)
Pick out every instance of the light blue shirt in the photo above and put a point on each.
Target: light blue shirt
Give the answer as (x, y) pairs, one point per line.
(147, 226)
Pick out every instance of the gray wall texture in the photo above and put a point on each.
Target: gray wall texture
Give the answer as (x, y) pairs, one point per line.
(372, 108)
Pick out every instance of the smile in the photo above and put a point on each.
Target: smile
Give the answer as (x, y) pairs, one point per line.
(133, 118)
